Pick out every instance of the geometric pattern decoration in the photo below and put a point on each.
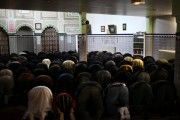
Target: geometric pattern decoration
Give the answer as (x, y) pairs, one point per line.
(50, 40)
(4, 42)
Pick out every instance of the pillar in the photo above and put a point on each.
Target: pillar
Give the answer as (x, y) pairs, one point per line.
(83, 38)
(176, 13)
(150, 30)
(177, 60)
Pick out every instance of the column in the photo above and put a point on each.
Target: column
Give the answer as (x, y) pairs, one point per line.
(177, 60)
(176, 13)
(83, 38)
(149, 42)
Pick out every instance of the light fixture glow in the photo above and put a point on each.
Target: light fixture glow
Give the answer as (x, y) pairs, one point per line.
(138, 2)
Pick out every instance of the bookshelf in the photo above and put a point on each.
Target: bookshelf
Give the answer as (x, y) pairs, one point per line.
(139, 44)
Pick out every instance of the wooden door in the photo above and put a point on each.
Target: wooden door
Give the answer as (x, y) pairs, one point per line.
(4, 42)
(50, 40)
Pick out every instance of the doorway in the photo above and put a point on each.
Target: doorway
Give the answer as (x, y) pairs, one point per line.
(50, 40)
(4, 42)
(25, 39)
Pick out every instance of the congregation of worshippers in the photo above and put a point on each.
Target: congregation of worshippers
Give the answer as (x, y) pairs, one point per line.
(57, 86)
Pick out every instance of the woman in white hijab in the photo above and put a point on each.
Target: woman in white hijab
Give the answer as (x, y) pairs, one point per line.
(39, 103)
(46, 62)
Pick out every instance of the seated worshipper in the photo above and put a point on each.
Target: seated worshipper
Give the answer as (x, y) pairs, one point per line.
(39, 103)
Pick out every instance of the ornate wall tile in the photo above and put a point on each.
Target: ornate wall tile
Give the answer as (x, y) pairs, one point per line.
(25, 14)
(49, 15)
(72, 28)
(3, 13)
(71, 15)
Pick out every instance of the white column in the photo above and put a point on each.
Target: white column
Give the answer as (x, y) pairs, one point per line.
(83, 39)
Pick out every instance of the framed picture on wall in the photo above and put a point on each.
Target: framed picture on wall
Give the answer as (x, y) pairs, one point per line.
(38, 26)
(102, 28)
(112, 29)
(124, 26)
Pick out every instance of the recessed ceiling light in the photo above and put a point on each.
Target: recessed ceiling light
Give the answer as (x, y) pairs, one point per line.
(138, 2)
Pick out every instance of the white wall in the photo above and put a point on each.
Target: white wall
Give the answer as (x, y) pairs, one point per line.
(166, 25)
(134, 24)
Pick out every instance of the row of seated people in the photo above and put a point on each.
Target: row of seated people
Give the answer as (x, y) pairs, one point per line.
(106, 87)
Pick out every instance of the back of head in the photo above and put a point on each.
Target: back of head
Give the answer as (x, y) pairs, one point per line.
(80, 67)
(127, 60)
(40, 71)
(94, 68)
(118, 58)
(42, 66)
(6, 72)
(138, 63)
(44, 80)
(148, 59)
(144, 76)
(124, 77)
(162, 63)
(104, 78)
(39, 100)
(68, 65)
(6, 84)
(24, 82)
(83, 77)
(65, 82)
(126, 68)
(109, 64)
(46, 62)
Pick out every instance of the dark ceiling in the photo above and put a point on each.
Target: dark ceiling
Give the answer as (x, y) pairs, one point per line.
(121, 7)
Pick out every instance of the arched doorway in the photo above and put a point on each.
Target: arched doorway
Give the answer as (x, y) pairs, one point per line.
(50, 40)
(4, 42)
(25, 41)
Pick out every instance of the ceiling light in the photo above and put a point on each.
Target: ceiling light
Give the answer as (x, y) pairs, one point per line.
(138, 2)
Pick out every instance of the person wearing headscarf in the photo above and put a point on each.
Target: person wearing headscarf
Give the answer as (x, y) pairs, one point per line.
(6, 85)
(46, 62)
(89, 98)
(39, 103)
(68, 66)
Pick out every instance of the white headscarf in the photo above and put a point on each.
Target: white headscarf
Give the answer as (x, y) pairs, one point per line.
(39, 101)
(46, 62)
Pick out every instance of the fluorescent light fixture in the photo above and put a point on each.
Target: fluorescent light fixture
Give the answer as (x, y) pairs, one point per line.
(138, 2)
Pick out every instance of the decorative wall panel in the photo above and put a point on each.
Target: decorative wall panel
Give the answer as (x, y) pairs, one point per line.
(3, 13)
(25, 14)
(71, 15)
(72, 28)
(49, 15)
